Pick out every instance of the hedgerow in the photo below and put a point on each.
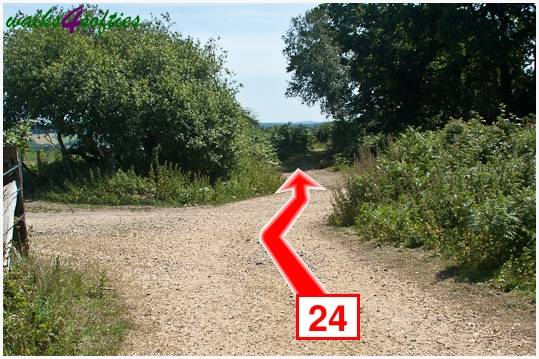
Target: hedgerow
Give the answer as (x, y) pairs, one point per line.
(466, 191)
(165, 185)
(289, 139)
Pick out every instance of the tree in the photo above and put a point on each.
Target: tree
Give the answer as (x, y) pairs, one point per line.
(128, 95)
(322, 132)
(289, 139)
(389, 66)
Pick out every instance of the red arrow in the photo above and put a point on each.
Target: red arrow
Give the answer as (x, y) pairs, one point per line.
(293, 269)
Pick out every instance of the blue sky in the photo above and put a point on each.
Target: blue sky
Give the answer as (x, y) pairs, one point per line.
(250, 33)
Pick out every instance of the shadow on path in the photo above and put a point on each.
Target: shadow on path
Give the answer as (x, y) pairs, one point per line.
(311, 160)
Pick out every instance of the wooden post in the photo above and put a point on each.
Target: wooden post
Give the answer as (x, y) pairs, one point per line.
(38, 158)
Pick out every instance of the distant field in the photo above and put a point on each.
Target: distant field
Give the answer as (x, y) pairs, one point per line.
(47, 144)
(45, 141)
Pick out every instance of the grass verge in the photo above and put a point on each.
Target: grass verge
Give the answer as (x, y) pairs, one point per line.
(164, 186)
(50, 309)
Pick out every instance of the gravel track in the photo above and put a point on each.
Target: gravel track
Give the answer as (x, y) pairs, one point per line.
(197, 281)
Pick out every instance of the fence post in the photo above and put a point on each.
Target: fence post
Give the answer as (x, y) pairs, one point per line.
(38, 159)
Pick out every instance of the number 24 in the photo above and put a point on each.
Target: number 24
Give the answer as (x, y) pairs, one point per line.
(336, 319)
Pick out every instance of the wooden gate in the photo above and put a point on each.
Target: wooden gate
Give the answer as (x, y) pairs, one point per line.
(15, 232)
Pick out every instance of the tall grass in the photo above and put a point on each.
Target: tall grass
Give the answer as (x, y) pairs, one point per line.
(165, 185)
(467, 191)
(50, 309)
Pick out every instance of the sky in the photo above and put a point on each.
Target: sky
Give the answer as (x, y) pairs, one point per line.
(251, 35)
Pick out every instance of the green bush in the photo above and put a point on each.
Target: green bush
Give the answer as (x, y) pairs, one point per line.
(289, 139)
(50, 309)
(322, 132)
(348, 141)
(18, 135)
(144, 91)
(255, 173)
(467, 190)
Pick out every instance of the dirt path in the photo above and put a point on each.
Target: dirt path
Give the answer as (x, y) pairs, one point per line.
(197, 281)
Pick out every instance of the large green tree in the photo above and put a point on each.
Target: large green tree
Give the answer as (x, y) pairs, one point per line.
(128, 96)
(387, 66)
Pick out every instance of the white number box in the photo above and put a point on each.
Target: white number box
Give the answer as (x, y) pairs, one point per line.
(328, 317)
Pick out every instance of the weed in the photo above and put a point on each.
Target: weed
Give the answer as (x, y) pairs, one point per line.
(165, 185)
(50, 309)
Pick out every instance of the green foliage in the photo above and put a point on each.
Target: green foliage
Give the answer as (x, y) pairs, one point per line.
(349, 140)
(384, 67)
(152, 116)
(165, 185)
(50, 309)
(467, 191)
(253, 178)
(290, 139)
(18, 135)
(127, 95)
(253, 143)
(322, 132)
